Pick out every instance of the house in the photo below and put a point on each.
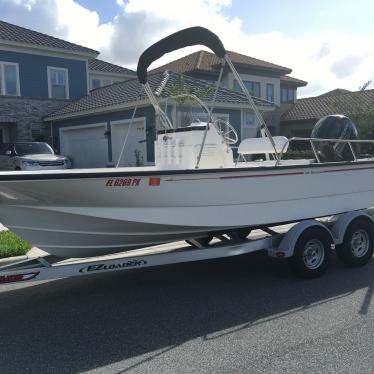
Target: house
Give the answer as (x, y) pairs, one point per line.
(92, 129)
(263, 79)
(302, 116)
(39, 74)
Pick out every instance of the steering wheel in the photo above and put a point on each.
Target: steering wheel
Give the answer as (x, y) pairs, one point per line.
(226, 130)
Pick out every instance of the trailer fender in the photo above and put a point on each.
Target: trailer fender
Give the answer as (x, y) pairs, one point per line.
(288, 242)
(340, 226)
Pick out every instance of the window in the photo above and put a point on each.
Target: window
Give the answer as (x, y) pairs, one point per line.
(98, 82)
(95, 83)
(9, 79)
(249, 119)
(284, 95)
(58, 83)
(107, 82)
(270, 92)
(249, 126)
(23, 149)
(288, 95)
(254, 88)
(291, 95)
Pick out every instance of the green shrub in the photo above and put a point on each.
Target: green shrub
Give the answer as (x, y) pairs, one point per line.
(298, 154)
(12, 245)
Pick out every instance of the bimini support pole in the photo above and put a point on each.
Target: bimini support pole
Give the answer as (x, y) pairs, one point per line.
(165, 120)
(126, 137)
(253, 106)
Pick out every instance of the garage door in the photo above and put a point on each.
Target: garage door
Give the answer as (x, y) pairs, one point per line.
(135, 152)
(87, 146)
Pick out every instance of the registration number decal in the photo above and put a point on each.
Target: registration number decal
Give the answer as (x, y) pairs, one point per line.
(123, 182)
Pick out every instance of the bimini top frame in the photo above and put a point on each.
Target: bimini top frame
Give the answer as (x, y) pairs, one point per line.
(189, 37)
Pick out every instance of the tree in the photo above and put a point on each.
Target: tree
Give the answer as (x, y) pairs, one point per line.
(180, 87)
(365, 124)
(184, 107)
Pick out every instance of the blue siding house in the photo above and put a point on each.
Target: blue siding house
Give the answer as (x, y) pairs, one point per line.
(40, 74)
(43, 77)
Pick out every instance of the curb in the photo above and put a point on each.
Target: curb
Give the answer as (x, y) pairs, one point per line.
(5, 261)
(32, 253)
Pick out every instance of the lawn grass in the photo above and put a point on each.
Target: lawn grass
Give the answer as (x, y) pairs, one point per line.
(12, 245)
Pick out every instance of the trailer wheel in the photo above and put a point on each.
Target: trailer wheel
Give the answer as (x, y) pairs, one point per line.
(312, 252)
(358, 243)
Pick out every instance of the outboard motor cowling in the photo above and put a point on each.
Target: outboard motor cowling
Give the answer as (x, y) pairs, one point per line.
(335, 126)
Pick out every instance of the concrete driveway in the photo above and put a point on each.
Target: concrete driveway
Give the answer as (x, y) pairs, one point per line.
(245, 315)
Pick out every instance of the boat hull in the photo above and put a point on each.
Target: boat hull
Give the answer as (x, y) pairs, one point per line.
(71, 214)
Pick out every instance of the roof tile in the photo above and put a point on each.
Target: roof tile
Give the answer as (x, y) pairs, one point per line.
(208, 62)
(99, 65)
(312, 108)
(18, 34)
(131, 91)
(293, 81)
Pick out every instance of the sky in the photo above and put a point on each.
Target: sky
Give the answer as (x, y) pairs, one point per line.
(327, 43)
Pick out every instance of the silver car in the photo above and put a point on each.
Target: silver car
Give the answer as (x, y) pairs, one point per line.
(31, 156)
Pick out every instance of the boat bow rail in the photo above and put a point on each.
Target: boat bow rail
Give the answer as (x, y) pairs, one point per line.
(313, 141)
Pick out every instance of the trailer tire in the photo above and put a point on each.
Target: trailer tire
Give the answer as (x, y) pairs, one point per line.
(358, 243)
(312, 252)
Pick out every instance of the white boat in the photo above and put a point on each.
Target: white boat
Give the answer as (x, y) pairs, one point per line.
(195, 189)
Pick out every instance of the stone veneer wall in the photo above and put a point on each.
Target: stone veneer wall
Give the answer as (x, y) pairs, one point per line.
(28, 114)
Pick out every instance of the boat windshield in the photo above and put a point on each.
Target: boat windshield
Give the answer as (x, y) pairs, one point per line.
(23, 149)
(184, 109)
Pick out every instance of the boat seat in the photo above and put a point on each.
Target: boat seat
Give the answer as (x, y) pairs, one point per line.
(252, 146)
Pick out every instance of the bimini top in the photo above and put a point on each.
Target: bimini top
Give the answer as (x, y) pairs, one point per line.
(184, 38)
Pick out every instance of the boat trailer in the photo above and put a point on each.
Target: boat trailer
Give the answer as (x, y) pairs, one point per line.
(306, 244)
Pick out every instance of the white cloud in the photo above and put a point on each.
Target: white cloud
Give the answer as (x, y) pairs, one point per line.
(39, 15)
(82, 25)
(327, 60)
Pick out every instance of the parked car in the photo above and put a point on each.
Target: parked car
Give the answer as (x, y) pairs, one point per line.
(31, 156)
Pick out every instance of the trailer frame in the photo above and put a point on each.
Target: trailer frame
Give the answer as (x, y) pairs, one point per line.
(279, 244)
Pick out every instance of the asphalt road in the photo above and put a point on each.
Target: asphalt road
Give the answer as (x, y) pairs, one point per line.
(243, 315)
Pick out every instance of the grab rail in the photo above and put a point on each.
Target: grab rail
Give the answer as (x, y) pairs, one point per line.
(316, 140)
